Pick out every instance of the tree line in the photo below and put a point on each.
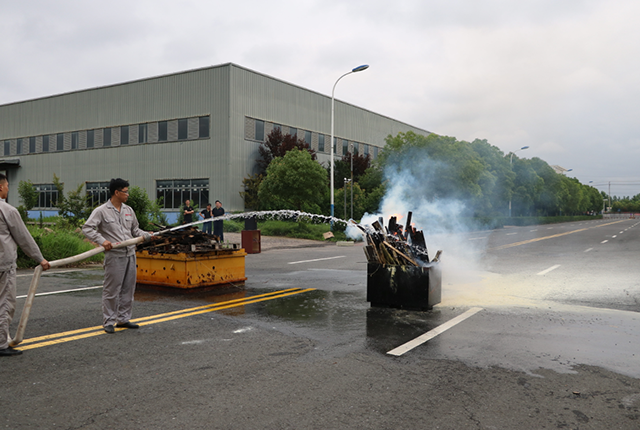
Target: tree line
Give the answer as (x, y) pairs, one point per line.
(476, 173)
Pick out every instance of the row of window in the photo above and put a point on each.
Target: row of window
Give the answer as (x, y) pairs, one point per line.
(152, 132)
(173, 193)
(258, 130)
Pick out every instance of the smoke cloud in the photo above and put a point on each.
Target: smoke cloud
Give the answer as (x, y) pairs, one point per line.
(426, 187)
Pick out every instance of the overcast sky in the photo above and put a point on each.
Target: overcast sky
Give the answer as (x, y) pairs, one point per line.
(559, 76)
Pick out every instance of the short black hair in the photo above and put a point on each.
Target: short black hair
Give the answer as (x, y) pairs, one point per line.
(3, 178)
(218, 201)
(208, 204)
(117, 185)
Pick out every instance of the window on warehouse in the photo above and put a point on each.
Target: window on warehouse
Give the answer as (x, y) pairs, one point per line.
(174, 192)
(47, 196)
(97, 193)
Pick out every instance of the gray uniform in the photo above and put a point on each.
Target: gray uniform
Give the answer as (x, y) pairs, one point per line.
(106, 223)
(13, 233)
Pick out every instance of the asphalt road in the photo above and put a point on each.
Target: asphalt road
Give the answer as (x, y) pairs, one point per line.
(553, 343)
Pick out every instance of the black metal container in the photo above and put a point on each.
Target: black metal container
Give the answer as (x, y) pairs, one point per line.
(404, 287)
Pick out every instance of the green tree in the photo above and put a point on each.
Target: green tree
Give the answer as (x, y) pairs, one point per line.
(294, 181)
(147, 211)
(359, 200)
(29, 196)
(251, 187)
(73, 207)
(277, 145)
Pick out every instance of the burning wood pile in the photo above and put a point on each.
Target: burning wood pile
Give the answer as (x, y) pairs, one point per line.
(186, 240)
(395, 246)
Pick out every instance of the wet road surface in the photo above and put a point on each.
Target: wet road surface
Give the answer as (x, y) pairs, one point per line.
(554, 346)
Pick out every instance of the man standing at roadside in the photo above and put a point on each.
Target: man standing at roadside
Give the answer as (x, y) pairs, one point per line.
(111, 223)
(218, 228)
(13, 233)
(188, 212)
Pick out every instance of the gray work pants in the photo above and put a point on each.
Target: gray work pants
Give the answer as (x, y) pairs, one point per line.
(119, 287)
(7, 304)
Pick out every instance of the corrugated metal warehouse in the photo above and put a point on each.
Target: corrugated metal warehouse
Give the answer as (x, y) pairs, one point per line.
(193, 134)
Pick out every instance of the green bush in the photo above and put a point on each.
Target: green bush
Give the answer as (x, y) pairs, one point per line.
(233, 226)
(56, 245)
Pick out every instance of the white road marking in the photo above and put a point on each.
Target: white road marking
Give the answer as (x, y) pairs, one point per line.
(317, 259)
(243, 330)
(587, 250)
(192, 342)
(533, 230)
(477, 238)
(509, 234)
(52, 273)
(614, 236)
(544, 272)
(604, 241)
(432, 333)
(62, 291)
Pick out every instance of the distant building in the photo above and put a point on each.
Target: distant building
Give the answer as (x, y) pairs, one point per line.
(189, 135)
(560, 170)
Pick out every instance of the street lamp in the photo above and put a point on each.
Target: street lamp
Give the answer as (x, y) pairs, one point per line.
(352, 154)
(511, 167)
(357, 69)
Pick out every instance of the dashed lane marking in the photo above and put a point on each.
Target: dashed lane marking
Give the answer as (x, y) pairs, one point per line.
(524, 242)
(316, 259)
(544, 272)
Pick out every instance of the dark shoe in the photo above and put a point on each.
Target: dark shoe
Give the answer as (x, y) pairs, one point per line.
(128, 324)
(109, 329)
(9, 351)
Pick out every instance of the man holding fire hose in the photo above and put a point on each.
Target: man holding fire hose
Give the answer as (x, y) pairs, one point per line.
(13, 233)
(111, 223)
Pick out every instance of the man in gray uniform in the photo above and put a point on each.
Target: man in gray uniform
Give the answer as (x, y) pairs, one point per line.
(13, 233)
(111, 223)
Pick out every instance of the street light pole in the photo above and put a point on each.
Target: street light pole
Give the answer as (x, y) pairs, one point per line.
(344, 189)
(352, 154)
(357, 69)
(511, 167)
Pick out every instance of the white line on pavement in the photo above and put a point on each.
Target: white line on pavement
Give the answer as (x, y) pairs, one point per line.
(52, 273)
(533, 230)
(544, 272)
(62, 291)
(604, 241)
(317, 259)
(477, 238)
(588, 249)
(614, 236)
(432, 333)
(509, 234)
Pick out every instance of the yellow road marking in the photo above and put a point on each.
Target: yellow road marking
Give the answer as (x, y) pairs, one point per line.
(68, 336)
(99, 327)
(524, 242)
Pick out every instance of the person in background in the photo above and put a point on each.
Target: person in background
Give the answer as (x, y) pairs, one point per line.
(217, 225)
(188, 212)
(13, 233)
(108, 224)
(206, 214)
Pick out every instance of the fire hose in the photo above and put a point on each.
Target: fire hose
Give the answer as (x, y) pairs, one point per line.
(35, 280)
